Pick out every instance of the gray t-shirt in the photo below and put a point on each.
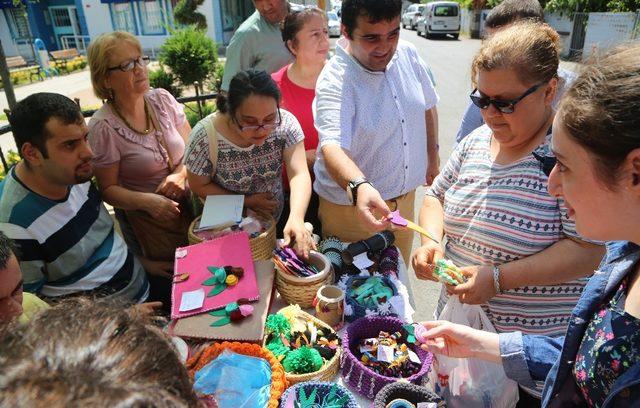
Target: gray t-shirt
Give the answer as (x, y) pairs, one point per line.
(245, 170)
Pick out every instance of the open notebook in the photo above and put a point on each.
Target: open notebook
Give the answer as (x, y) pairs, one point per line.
(221, 211)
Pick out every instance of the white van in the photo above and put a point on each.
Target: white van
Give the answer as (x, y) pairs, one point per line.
(440, 17)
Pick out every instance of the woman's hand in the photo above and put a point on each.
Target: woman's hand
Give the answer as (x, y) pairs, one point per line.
(424, 260)
(173, 186)
(456, 340)
(157, 268)
(479, 285)
(295, 231)
(264, 202)
(161, 207)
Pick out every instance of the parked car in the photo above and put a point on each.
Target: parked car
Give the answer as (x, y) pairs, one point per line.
(334, 24)
(440, 18)
(411, 15)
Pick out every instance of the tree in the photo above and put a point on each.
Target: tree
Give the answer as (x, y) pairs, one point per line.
(185, 13)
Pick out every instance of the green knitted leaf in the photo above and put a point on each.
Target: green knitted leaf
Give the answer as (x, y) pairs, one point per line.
(217, 289)
(224, 321)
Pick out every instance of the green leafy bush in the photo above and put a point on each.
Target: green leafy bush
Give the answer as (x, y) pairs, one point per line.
(12, 158)
(166, 80)
(191, 111)
(190, 55)
(185, 13)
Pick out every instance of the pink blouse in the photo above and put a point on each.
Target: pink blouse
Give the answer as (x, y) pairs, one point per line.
(142, 158)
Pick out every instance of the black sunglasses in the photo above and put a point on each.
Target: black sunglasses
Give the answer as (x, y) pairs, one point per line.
(503, 105)
(547, 163)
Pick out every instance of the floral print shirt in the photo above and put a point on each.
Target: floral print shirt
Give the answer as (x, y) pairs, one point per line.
(610, 346)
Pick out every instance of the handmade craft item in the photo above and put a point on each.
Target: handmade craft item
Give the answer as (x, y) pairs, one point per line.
(233, 312)
(415, 333)
(249, 329)
(401, 392)
(332, 247)
(377, 242)
(446, 272)
(278, 380)
(288, 261)
(363, 378)
(316, 394)
(205, 263)
(368, 295)
(388, 355)
(301, 290)
(329, 304)
(307, 347)
(400, 221)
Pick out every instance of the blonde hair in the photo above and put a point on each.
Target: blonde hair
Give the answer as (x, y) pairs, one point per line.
(531, 49)
(98, 55)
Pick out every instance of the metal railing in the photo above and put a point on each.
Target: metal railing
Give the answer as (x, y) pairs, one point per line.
(199, 99)
(79, 42)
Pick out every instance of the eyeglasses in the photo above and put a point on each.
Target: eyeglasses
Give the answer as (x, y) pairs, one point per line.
(265, 126)
(130, 64)
(503, 105)
(547, 163)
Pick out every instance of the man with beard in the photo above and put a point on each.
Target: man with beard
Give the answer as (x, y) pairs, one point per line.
(64, 235)
(377, 123)
(257, 43)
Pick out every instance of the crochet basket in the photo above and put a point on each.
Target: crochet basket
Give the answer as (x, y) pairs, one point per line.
(329, 369)
(278, 379)
(363, 379)
(302, 290)
(262, 246)
(407, 391)
(358, 310)
(322, 389)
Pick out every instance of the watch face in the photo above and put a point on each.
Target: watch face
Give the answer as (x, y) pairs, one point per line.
(349, 192)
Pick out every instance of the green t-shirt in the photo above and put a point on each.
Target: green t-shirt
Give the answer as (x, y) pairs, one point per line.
(256, 44)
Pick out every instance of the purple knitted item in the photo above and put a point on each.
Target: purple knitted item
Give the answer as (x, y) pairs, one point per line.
(361, 378)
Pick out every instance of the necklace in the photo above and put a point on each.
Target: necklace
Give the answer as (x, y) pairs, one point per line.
(126, 122)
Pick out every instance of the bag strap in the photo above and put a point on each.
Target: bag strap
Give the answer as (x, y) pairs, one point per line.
(212, 135)
(161, 139)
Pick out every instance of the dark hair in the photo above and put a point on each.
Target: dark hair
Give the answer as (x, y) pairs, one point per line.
(243, 85)
(600, 111)
(91, 352)
(374, 10)
(294, 21)
(29, 117)
(6, 250)
(510, 11)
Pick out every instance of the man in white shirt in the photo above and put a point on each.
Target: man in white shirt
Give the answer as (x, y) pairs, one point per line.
(377, 123)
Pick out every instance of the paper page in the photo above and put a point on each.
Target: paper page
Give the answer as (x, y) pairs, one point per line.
(192, 300)
(221, 211)
(362, 261)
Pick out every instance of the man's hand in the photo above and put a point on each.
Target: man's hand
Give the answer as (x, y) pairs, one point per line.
(369, 200)
(479, 285)
(424, 260)
(158, 268)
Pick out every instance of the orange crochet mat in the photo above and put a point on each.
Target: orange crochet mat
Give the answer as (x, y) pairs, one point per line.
(278, 380)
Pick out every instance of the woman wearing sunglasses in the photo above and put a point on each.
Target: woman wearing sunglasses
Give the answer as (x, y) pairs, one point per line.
(138, 139)
(519, 251)
(253, 138)
(596, 141)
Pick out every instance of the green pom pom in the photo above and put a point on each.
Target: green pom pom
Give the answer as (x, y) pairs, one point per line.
(277, 323)
(302, 361)
(277, 348)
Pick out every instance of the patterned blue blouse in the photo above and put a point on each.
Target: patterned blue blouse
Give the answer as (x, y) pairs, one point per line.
(609, 347)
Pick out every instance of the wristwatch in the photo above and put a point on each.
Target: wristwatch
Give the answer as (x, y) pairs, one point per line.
(352, 189)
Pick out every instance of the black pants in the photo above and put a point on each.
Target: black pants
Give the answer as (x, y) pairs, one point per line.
(527, 401)
(310, 216)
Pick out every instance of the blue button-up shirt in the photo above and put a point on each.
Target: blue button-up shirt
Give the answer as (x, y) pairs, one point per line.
(526, 358)
(378, 118)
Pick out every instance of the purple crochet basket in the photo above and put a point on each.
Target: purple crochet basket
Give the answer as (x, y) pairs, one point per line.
(361, 378)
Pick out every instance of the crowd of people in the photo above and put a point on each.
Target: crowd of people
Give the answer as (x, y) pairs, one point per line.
(536, 204)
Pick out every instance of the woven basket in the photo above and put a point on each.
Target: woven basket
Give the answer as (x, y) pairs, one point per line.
(329, 369)
(262, 246)
(302, 291)
(278, 379)
(322, 389)
(413, 393)
(363, 379)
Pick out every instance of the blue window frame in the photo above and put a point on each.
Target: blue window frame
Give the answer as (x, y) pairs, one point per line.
(123, 17)
(152, 15)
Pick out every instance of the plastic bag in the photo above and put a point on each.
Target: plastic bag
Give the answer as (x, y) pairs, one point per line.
(470, 382)
(235, 381)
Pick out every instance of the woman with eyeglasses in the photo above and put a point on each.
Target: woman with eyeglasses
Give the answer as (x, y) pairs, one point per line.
(516, 245)
(253, 138)
(138, 139)
(597, 145)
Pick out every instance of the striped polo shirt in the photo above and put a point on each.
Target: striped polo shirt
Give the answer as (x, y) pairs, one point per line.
(495, 214)
(69, 246)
